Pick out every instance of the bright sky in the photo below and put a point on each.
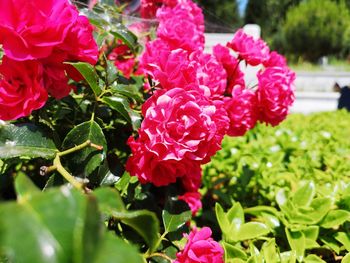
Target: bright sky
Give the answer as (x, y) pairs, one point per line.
(241, 6)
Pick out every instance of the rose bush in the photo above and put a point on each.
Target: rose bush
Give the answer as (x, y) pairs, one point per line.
(144, 123)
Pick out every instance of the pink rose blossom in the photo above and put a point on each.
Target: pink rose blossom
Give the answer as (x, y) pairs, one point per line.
(275, 94)
(21, 88)
(210, 72)
(275, 60)
(181, 129)
(31, 29)
(235, 77)
(200, 248)
(242, 112)
(123, 58)
(178, 30)
(193, 199)
(254, 52)
(149, 8)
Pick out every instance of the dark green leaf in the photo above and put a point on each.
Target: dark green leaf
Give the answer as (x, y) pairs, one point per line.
(121, 105)
(143, 222)
(109, 200)
(89, 74)
(122, 33)
(88, 159)
(24, 186)
(25, 141)
(174, 222)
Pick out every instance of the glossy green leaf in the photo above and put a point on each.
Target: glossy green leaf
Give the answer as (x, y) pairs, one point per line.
(269, 251)
(313, 259)
(122, 33)
(114, 250)
(89, 74)
(232, 252)
(252, 230)
(24, 186)
(335, 218)
(296, 240)
(121, 105)
(235, 216)
(173, 222)
(85, 161)
(25, 141)
(304, 195)
(222, 219)
(344, 239)
(109, 200)
(143, 222)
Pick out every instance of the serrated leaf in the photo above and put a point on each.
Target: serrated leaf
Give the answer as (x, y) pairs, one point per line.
(85, 161)
(25, 141)
(121, 105)
(89, 74)
(335, 218)
(173, 222)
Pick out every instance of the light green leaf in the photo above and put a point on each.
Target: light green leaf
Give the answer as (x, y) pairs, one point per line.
(222, 219)
(232, 252)
(344, 239)
(304, 195)
(235, 215)
(335, 218)
(296, 240)
(252, 230)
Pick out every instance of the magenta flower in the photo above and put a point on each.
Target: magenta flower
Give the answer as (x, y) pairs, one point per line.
(193, 199)
(21, 88)
(275, 94)
(200, 248)
(254, 52)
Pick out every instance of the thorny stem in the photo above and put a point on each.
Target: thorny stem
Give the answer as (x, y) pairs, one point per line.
(57, 165)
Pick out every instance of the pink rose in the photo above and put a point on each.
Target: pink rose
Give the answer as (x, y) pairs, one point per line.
(184, 124)
(241, 110)
(254, 52)
(21, 88)
(178, 30)
(275, 60)
(149, 8)
(200, 248)
(31, 29)
(193, 199)
(210, 72)
(151, 167)
(181, 129)
(275, 94)
(123, 58)
(235, 77)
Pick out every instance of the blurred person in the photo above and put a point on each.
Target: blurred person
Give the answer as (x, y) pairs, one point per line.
(344, 98)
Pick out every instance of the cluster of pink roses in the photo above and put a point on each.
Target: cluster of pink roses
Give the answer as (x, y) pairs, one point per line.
(201, 97)
(37, 37)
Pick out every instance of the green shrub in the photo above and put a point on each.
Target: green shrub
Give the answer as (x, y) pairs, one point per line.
(316, 28)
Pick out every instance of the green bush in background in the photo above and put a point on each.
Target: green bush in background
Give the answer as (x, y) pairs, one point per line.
(283, 193)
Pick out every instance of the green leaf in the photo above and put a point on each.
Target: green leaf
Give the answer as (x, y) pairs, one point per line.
(173, 222)
(335, 218)
(252, 230)
(269, 251)
(89, 74)
(25, 141)
(232, 252)
(346, 259)
(304, 195)
(109, 200)
(222, 219)
(296, 240)
(85, 161)
(235, 216)
(121, 32)
(121, 105)
(114, 250)
(143, 222)
(24, 186)
(313, 259)
(344, 239)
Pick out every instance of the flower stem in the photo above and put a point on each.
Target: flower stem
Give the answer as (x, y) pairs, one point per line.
(65, 174)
